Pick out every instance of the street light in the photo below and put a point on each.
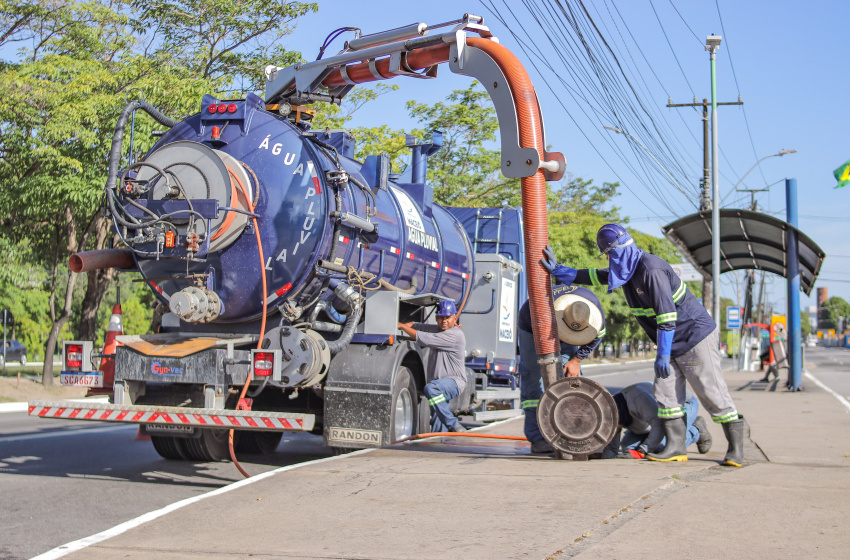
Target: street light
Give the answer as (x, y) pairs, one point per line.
(623, 132)
(779, 154)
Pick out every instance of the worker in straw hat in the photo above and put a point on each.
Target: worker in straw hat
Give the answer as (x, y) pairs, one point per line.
(581, 326)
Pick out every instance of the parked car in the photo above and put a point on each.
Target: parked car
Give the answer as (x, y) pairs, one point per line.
(14, 352)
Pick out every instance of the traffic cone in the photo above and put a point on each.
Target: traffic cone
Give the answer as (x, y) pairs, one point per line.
(107, 362)
(140, 436)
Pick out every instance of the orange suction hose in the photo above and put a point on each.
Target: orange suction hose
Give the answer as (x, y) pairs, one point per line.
(263, 321)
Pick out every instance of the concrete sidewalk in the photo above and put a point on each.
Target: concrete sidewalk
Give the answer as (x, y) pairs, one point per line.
(448, 498)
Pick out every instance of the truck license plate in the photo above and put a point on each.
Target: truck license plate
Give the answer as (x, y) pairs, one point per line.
(81, 379)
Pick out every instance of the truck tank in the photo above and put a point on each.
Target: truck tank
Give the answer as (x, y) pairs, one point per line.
(313, 203)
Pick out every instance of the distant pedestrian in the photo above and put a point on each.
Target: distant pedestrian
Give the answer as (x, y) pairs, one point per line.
(581, 326)
(686, 335)
(446, 373)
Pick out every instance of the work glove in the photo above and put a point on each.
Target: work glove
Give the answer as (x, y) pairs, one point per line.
(563, 274)
(662, 359)
(638, 453)
(662, 366)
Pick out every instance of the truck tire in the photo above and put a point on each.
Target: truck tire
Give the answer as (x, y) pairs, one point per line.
(169, 447)
(210, 446)
(258, 443)
(23, 359)
(404, 418)
(424, 416)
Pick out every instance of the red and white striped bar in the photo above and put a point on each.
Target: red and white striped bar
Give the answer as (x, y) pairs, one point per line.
(175, 416)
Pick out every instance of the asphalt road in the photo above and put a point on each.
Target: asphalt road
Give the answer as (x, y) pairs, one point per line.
(64, 480)
(61, 480)
(831, 366)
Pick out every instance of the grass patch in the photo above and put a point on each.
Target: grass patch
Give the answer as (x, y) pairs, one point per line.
(12, 370)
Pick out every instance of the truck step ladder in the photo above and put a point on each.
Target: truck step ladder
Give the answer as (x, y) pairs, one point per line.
(478, 217)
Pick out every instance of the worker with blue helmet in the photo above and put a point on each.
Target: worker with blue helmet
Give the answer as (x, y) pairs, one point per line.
(446, 371)
(686, 335)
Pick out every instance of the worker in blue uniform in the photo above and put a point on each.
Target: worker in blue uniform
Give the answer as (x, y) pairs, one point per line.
(446, 373)
(686, 335)
(641, 428)
(581, 326)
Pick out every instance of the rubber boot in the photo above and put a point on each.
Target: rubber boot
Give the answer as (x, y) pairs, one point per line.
(704, 441)
(735, 435)
(675, 431)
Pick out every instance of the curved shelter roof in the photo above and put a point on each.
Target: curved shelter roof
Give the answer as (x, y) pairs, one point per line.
(748, 240)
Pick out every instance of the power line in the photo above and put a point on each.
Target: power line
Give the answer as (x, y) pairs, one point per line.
(671, 47)
(686, 23)
(595, 71)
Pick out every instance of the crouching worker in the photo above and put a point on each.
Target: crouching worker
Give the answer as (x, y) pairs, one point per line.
(446, 369)
(581, 326)
(644, 430)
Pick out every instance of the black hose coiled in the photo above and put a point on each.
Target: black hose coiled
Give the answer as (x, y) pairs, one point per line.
(118, 135)
(340, 344)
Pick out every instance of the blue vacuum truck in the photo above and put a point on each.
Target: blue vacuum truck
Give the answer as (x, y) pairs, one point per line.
(285, 264)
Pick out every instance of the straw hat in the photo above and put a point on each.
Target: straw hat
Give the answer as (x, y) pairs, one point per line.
(578, 319)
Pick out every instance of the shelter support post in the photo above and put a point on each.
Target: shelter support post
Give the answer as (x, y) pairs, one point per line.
(795, 346)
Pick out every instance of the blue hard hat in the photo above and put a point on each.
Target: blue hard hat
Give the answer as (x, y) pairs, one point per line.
(612, 235)
(446, 307)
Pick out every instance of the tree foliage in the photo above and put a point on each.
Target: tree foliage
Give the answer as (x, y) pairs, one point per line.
(466, 170)
(835, 313)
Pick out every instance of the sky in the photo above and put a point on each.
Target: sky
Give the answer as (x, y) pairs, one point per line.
(784, 58)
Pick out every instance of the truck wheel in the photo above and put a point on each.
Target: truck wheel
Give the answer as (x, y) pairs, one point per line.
(403, 411)
(169, 447)
(210, 446)
(258, 443)
(424, 416)
(23, 359)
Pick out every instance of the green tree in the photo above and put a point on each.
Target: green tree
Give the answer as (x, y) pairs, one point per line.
(805, 324)
(368, 140)
(836, 313)
(467, 169)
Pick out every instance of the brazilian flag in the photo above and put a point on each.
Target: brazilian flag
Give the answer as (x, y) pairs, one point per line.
(842, 174)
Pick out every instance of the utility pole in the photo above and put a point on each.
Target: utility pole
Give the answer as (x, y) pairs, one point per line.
(753, 203)
(705, 181)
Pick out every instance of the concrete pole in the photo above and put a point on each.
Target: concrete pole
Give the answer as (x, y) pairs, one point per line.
(705, 196)
(795, 345)
(712, 42)
(712, 46)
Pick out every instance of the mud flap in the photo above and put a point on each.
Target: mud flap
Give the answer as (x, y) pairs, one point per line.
(357, 418)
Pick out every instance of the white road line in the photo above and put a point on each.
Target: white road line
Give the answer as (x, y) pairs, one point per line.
(820, 384)
(85, 542)
(63, 433)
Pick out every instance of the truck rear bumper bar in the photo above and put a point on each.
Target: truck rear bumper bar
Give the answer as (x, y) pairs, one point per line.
(175, 416)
